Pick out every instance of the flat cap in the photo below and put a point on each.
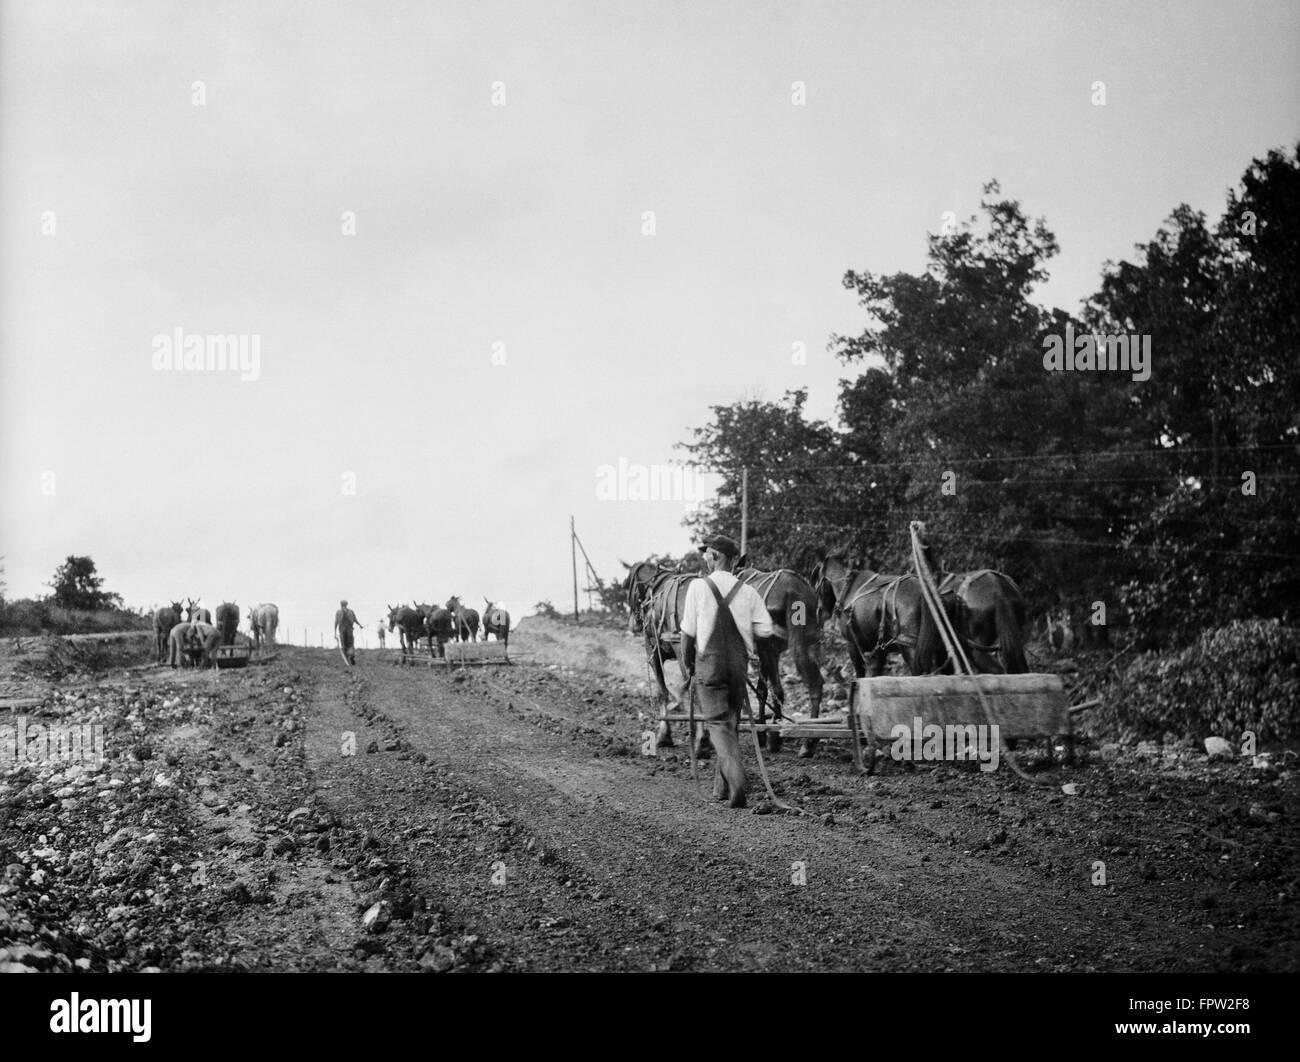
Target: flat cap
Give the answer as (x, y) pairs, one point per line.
(722, 544)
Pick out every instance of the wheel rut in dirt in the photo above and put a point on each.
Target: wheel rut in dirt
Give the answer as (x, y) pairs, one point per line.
(614, 848)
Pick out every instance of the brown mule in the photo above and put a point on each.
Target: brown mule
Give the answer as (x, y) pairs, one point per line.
(656, 596)
(792, 603)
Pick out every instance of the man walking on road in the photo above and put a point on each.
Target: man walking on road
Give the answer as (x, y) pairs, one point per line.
(722, 616)
(344, 620)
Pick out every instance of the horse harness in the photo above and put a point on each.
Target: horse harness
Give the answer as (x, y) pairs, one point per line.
(665, 584)
(763, 583)
(959, 589)
(890, 636)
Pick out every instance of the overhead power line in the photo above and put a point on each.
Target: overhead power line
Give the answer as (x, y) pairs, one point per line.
(933, 460)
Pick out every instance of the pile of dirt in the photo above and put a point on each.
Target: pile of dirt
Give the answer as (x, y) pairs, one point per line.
(618, 653)
(86, 654)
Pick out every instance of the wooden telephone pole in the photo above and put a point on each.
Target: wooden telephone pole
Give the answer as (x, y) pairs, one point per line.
(573, 550)
(744, 510)
(593, 580)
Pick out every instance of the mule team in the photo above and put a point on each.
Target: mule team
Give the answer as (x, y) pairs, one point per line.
(878, 614)
(438, 625)
(711, 626)
(193, 641)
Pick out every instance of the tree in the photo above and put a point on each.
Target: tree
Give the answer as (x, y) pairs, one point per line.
(1173, 497)
(947, 429)
(1222, 536)
(77, 586)
(1171, 294)
(792, 465)
(612, 596)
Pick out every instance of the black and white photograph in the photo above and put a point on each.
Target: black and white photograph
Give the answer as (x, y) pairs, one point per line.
(712, 487)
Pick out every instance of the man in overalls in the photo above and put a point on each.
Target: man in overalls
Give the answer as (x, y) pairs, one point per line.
(344, 620)
(721, 618)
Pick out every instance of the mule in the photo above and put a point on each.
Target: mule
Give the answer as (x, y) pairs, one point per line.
(656, 597)
(987, 610)
(163, 621)
(496, 621)
(264, 620)
(194, 613)
(465, 620)
(409, 622)
(792, 603)
(228, 621)
(877, 614)
(437, 629)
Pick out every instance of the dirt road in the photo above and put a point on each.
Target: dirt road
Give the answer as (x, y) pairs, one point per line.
(506, 818)
(613, 861)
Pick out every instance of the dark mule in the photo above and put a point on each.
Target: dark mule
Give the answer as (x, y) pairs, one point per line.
(496, 621)
(227, 621)
(656, 597)
(987, 611)
(877, 614)
(465, 620)
(437, 628)
(409, 622)
(792, 604)
(163, 621)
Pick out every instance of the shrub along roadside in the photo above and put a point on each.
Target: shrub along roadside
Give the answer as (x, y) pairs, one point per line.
(26, 617)
(1245, 676)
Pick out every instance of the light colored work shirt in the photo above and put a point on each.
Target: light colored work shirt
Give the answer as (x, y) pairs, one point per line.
(747, 608)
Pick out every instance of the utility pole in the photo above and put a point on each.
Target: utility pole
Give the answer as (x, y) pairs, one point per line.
(744, 510)
(593, 580)
(573, 549)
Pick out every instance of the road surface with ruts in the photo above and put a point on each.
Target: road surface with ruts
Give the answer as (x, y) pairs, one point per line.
(301, 815)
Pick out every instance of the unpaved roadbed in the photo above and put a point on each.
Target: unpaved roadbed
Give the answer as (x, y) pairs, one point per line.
(301, 816)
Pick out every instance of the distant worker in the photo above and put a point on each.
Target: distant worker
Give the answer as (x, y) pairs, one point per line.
(724, 616)
(380, 629)
(344, 620)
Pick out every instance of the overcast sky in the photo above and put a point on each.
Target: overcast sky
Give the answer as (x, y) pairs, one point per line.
(381, 454)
